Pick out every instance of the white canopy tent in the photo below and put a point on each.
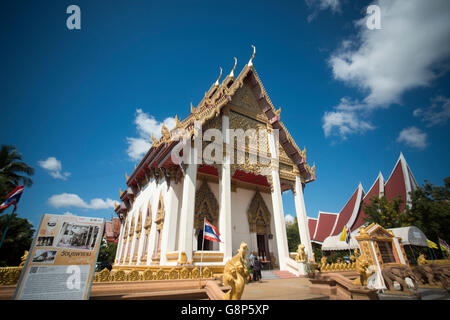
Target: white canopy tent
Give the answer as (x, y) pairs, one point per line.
(333, 242)
(411, 236)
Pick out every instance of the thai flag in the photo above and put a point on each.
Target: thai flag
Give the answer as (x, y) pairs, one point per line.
(210, 232)
(444, 245)
(12, 198)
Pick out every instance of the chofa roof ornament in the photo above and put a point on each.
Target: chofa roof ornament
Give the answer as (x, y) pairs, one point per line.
(231, 75)
(250, 63)
(216, 84)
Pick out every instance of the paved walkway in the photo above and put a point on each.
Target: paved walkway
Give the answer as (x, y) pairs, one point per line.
(280, 289)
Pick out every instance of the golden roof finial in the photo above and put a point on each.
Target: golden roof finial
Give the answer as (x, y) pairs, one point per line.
(278, 112)
(303, 153)
(178, 123)
(216, 84)
(250, 63)
(231, 75)
(154, 141)
(193, 110)
(126, 176)
(120, 191)
(135, 166)
(313, 169)
(165, 132)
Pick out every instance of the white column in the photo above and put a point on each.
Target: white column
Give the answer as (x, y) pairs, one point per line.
(120, 244)
(302, 220)
(170, 224)
(225, 227)
(188, 208)
(277, 202)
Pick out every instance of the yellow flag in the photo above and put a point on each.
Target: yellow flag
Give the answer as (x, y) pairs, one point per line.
(343, 235)
(431, 244)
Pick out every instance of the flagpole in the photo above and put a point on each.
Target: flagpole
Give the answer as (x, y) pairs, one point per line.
(201, 255)
(7, 226)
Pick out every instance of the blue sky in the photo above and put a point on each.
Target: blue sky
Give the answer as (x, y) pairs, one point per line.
(73, 100)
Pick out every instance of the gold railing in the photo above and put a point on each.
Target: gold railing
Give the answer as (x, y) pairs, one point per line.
(9, 275)
(338, 266)
(157, 273)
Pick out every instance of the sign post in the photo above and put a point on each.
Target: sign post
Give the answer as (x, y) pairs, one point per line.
(61, 260)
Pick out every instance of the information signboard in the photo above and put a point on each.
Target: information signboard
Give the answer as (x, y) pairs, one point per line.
(62, 258)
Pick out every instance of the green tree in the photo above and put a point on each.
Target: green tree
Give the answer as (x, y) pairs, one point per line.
(13, 171)
(293, 235)
(386, 213)
(18, 239)
(107, 252)
(430, 211)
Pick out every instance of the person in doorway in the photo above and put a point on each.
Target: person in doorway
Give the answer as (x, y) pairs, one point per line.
(257, 270)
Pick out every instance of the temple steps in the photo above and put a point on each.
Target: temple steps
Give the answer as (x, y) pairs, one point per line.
(283, 274)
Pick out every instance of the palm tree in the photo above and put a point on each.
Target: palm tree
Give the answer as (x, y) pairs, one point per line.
(11, 168)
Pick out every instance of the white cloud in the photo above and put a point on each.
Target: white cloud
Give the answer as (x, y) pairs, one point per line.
(436, 114)
(73, 200)
(288, 219)
(413, 137)
(146, 125)
(54, 168)
(319, 5)
(410, 51)
(345, 120)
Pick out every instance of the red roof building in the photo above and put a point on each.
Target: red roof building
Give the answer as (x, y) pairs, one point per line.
(112, 230)
(399, 184)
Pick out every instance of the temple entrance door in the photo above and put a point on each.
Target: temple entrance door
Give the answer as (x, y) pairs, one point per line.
(263, 250)
(207, 244)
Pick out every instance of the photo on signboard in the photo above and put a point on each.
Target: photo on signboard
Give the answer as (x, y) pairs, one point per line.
(44, 256)
(77, 236)
(44, 241)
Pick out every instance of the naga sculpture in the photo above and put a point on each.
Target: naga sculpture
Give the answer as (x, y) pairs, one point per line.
(235, 274)
(301, 255)
(398, 273)
(362, 266)
(23, 259)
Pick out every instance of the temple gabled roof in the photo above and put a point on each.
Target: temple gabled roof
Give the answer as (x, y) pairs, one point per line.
(217, 97)
(400, 183)
(377, 189)
(312, 224)
(325, 224)
(349, 213)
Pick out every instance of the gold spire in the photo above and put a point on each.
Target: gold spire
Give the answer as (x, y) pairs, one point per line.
(178, 123)
(135, 166)
(216, 84)
(303, 153)
(126, 176)
(193, 110)
(250, 63)
(231, 75)
(313, 169)
(154, 141)
(278, 112)
(120, 191)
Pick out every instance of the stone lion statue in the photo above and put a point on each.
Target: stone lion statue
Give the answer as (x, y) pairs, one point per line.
(301, 255)
(235, 274)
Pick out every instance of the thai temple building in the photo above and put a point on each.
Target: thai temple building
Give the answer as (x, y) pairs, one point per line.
(399, 184)
(165, 203)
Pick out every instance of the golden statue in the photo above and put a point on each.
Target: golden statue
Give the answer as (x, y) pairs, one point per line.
(23, 259)
(362, 266)
(235, 274)
(301, 255)
(421, 260)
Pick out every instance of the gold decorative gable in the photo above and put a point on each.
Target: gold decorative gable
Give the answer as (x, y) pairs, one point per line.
(258, 215)
(206, 206)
